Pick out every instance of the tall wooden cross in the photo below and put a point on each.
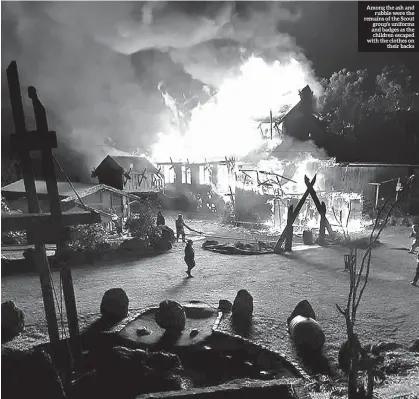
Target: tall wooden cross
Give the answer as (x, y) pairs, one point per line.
(42, 228)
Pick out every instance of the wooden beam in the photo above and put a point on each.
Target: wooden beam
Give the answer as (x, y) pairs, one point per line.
(44, 221)
(72, 318)
(290, 229)
(48, 235)
(278, 246)
(33, 141)
(20, 129)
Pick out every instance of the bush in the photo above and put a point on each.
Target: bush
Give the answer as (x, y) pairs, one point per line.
(90, 237)
(139, 224)
(11, 237)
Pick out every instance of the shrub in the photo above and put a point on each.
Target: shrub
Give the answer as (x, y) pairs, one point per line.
(91, 237)
(11, 237)
(139, 224)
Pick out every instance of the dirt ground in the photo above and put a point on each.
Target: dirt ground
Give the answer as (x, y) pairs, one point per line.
(389, 310)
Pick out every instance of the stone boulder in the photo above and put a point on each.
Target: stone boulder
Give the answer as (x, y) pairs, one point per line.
(30, 374)
(304, 309)
(344, 357)
(12, 321)
(381, 347)
(242, 309)
(114, 305)
(167, 234)
(415, 346)
(125, 373)
(162, 245)
(225, 306)
(171, 316)
(306, 333)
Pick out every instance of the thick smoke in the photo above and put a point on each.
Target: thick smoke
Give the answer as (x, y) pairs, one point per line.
(97, 65)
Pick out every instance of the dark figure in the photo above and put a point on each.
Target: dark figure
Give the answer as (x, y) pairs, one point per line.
(416, 278)
(189, 257)
(160, 219)
(180, 228)
(415, 236)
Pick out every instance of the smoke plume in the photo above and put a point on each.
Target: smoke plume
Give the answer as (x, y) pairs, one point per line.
(99, 66)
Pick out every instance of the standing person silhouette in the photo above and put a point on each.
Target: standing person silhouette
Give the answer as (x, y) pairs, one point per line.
(189, 257)
(416, 277)
(180, 228)
(160, 219)
(415, 236)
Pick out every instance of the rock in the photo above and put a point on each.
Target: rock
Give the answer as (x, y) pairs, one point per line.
(12, 321)
(114, 305)
(30, 374)
(306, 333)
(167, 234)
(125, 372)
(242, 309)
(384, 347)
(225, 306)
(171, 316)
(209, 243)
(415, 346)
(308, 237)
(194, 332)
(344, 357)
(134, 246)
(143, 331)
(304, 309)
(163, 245)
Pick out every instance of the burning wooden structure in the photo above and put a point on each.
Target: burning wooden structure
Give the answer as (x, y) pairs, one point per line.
(129, 173)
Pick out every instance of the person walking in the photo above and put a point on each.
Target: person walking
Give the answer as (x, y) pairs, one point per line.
(180, 228)
(189, 257)
(415, 236)
(416, 278)
(160, 219)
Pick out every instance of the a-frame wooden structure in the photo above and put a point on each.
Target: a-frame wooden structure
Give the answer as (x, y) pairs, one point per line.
(43, 228)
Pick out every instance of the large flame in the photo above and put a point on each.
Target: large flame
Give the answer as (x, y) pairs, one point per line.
(226, 125)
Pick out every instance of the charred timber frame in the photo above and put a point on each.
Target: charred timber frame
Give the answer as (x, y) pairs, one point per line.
(292, 215)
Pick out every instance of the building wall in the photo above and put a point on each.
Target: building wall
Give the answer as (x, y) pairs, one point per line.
(105, 201)
(150, 182)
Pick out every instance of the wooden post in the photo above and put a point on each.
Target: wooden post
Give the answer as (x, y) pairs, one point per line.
(270, 113)
(290, 229)
(377, 195)
(40, 227)
(72, 318)
(322, 232)
(40, 257)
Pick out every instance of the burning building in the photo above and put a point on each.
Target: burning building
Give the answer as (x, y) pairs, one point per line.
(129, 173)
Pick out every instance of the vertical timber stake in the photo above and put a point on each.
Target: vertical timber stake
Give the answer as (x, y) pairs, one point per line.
(289, 229)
